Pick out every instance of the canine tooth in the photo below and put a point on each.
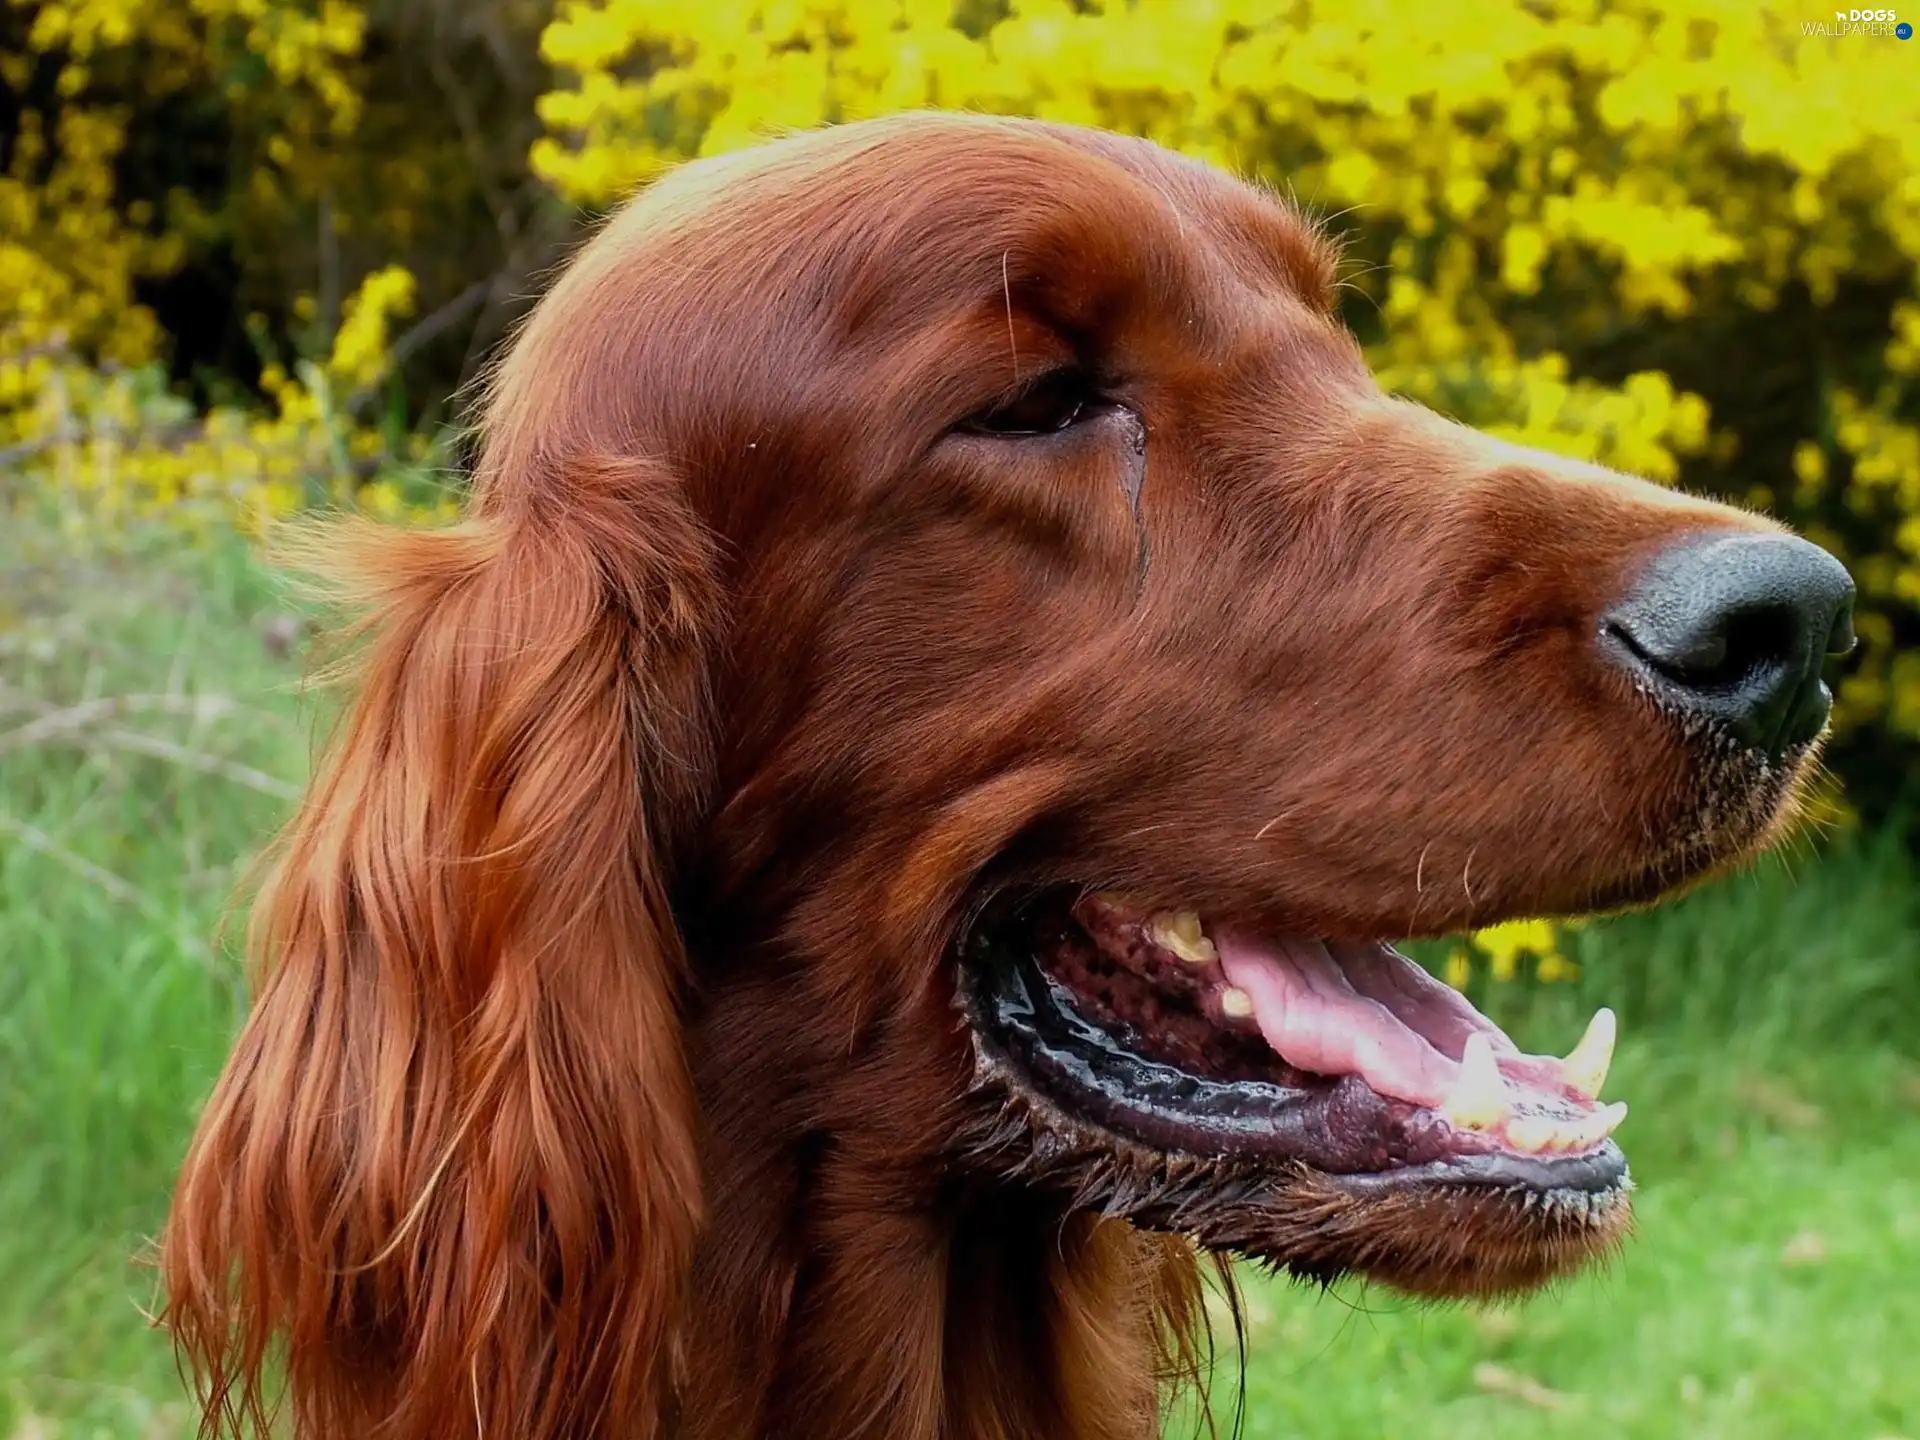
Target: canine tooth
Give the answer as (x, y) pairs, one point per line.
(1586, 1065)
(1479, 1098)
(1180, 932)
(1236, 1002)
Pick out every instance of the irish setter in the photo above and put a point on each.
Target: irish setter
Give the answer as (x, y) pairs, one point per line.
(874, 846)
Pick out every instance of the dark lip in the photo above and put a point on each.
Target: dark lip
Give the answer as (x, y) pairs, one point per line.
(1029, 1035)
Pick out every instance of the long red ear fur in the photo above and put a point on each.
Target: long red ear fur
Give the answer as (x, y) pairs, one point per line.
(448, 1179)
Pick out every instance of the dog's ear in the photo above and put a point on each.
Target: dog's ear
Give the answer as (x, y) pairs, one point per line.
(448, 1179)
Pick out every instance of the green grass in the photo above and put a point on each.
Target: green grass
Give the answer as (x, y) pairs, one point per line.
(1768, 1292)
(137, 701)
(149, 736)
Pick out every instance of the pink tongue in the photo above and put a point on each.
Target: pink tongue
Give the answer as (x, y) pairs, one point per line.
(1369, 1012)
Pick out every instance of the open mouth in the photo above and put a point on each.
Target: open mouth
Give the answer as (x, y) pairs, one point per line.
(1343, 1058)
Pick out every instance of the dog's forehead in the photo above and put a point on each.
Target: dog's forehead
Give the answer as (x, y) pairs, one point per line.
(935, 188)
(1250, 218)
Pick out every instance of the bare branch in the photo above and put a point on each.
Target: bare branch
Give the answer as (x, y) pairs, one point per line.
(163, 749)
(35, 838)
(124, 891)
(53, 723)
(83, 724)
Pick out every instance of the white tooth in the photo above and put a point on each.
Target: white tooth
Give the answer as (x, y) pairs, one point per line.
(1236, 1002)
(1604, 1123)
(1586, 1065)
(1179, 931)
(1535, 1133)
(1479, 1098)
(1530, 1134)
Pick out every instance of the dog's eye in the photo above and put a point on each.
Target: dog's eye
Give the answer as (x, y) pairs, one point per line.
(1051, 404)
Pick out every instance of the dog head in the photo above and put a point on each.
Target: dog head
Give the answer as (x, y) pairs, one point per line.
(955, 666)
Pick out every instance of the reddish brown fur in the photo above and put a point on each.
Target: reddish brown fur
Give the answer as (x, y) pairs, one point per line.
(604, 1076)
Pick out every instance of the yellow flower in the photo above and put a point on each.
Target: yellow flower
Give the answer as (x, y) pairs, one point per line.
(1556, 967)
(1503, 945)
(359, 357)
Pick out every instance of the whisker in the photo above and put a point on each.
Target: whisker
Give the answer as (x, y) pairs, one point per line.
(1006, 290)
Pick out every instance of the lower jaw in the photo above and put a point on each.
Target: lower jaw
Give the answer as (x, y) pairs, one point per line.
(1476, 1229)
(1080, 1091)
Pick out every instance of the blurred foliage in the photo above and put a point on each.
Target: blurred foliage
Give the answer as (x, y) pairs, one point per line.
(215, 213)
(1676, 236)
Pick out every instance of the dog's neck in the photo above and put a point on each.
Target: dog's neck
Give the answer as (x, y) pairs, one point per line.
(849, 1286)
(902, 1327)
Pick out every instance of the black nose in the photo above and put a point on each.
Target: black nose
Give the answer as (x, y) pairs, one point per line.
(1733, 627)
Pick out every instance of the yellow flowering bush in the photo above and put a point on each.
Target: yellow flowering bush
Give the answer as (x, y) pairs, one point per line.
(108, 442)
(227, 188)
(72, 244)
